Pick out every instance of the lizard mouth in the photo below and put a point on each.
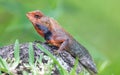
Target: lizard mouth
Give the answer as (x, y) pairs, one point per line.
(30, 16)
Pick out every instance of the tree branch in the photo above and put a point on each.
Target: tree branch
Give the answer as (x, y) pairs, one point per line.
(64, 58)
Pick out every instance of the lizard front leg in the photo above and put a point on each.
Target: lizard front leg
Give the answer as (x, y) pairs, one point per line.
(63, 46)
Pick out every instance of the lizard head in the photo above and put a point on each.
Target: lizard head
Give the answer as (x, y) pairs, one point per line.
(39, 21)
(37, 17)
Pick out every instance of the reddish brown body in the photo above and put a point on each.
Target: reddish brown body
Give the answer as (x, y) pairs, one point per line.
(57, 36)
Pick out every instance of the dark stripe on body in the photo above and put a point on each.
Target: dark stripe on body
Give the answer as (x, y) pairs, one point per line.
(46, 31)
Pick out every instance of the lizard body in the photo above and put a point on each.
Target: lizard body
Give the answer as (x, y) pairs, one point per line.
(54, 34)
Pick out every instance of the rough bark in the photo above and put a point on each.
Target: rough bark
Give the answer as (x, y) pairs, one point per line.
(64, 58)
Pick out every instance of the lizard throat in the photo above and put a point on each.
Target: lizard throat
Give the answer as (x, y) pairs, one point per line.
(47, 34)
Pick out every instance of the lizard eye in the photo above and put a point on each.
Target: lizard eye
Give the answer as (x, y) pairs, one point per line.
(37, 16)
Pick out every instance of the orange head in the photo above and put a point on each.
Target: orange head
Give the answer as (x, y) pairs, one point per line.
(34, 16)
(38, 17)
(40, 22)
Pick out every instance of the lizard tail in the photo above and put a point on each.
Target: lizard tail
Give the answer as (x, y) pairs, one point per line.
(89, 65)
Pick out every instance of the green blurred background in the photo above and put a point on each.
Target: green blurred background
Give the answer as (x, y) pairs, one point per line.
(94, 23)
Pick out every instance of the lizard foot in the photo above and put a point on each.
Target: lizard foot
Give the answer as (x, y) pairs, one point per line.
(57, 52)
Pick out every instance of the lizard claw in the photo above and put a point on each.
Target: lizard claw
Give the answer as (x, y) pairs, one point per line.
(57, 52)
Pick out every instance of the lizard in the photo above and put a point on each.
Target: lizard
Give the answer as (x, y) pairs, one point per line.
(55, 35)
